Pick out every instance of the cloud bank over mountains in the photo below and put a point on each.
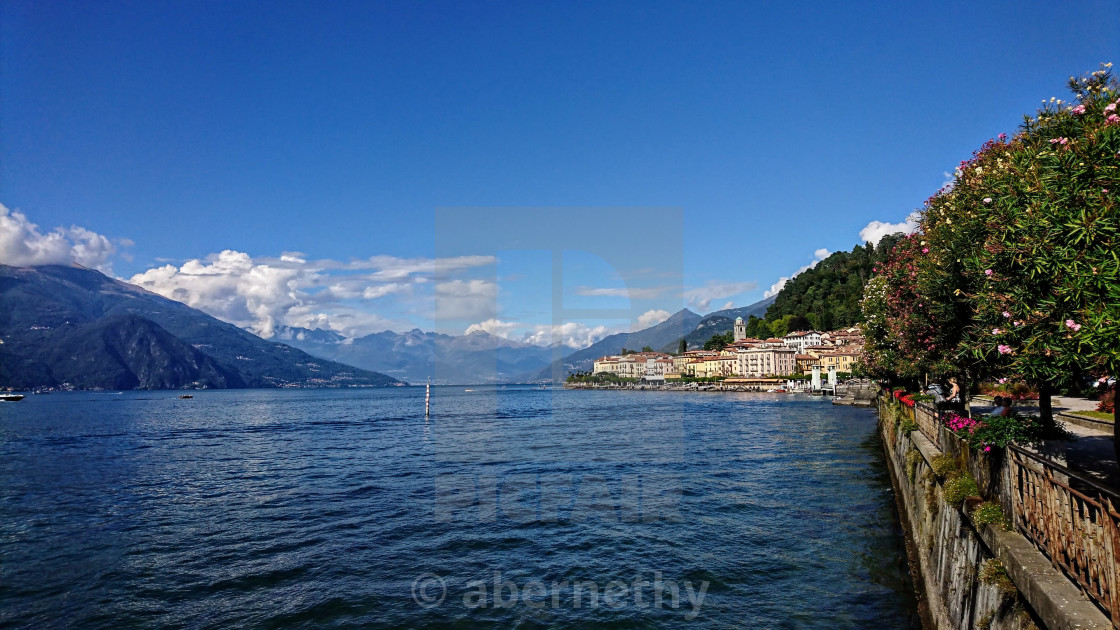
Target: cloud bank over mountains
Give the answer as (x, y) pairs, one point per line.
(23, 245)
(262, 294)
(359, 297)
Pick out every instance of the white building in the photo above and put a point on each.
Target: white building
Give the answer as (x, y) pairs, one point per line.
(766, 361)
(800, 340)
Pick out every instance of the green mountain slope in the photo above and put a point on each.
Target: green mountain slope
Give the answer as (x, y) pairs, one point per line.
(74, 325)
(828, 295)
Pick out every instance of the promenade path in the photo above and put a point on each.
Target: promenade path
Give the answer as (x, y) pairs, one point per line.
(1091, 452)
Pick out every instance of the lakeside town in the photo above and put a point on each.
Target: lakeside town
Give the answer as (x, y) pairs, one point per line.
(746, 361)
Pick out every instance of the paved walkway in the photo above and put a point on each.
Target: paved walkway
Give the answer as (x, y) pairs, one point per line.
(1090, 453)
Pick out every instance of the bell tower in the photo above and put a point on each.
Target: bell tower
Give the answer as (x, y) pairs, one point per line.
(740, 329)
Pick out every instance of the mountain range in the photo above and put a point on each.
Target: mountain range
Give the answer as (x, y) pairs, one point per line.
(71, 326)
(66, 326)
(417, 355)
(484, 358)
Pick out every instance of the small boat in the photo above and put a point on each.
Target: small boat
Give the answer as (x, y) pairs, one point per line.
(10, 397)
(185, 396)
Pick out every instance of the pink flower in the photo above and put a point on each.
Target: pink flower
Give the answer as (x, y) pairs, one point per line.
(1004, 349)
(1006, 314)
(1002, 137)
(1072, 325)
(987, 448)
(1061, 140)
(925, 250)
(1111, 107)
(987, 200)
(1018, 323)
(1002, 381)
(1077, 111)
(987, 272)
(996, 331)
(1112, 118)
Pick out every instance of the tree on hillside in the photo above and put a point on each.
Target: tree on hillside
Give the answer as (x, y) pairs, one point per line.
(682, 347)
(718, 341)
(828, 295)
(757, 328)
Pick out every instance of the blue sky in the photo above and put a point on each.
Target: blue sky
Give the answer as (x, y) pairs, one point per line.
(749, 136)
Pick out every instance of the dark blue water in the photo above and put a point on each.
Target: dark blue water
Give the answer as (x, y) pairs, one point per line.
(508, 508)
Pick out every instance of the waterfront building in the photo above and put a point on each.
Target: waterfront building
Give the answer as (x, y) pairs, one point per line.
(842, 361)
(805, 362)
(766, 361)
(801, 339)
(740, 332)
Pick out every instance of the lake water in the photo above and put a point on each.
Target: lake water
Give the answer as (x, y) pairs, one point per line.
(509, 507)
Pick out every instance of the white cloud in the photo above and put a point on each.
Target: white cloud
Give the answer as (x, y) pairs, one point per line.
(874, 232)
(494, 327)
(23, 245)
(651, 317)
(701, 298)
(458, 300)
(261, 294)
(574, 335)
(775, 288)
(634, 293)
(949, 182)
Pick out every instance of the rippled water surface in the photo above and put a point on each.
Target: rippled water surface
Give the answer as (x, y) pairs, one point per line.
(340, 508)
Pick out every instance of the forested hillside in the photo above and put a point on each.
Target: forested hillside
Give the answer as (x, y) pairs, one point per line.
(828, 295)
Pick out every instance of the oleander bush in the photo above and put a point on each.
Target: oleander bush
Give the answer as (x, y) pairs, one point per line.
(1013, 271)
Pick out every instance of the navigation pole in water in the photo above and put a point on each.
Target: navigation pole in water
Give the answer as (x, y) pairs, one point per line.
(428, 397)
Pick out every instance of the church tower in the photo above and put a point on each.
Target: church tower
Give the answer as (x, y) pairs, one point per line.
(740, 329)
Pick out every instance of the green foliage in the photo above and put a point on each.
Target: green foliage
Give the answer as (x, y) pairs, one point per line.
(1014, 272)
(758, 328)
(992, 572)
(1017, 391)
(959, 488)
(906, 425)
(983, 432)
(989, 513)
(945, 466)
(682, 346)
(718, 341)
(913, 458)
(828, 296)
(599, 377)
(647, 349)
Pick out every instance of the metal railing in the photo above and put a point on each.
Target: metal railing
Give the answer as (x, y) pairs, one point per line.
(1077, 527)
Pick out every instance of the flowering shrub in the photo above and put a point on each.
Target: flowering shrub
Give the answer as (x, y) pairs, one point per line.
(1013, 272)
(904, 397)
(987, 431)
(1016, 391)
(1107, 403)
